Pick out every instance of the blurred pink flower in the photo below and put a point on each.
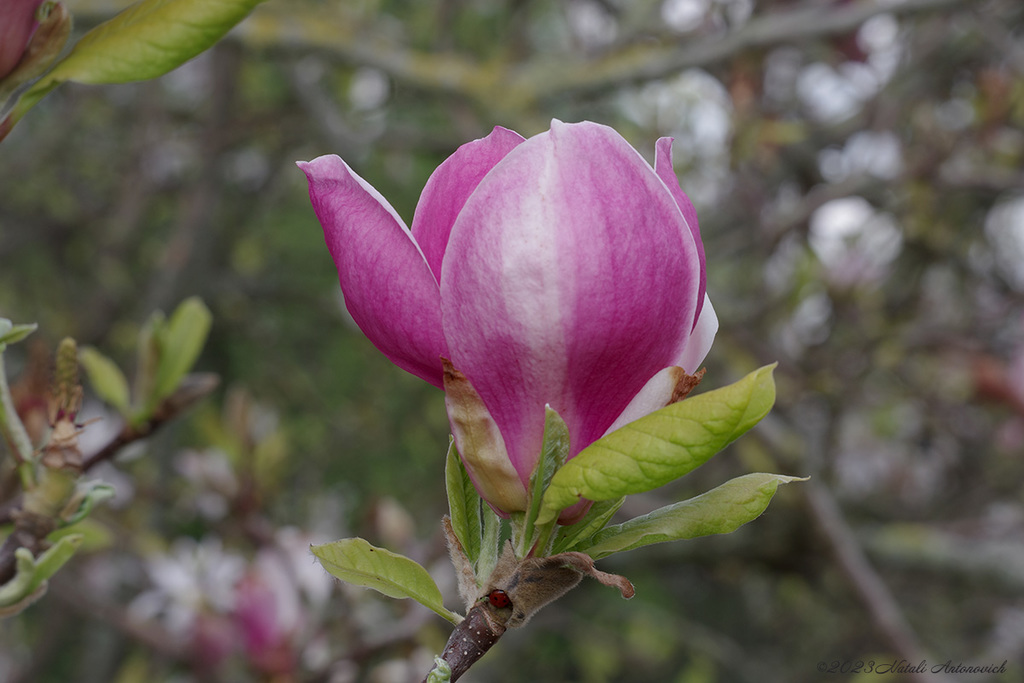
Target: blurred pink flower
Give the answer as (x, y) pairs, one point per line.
(17, 24)
(266, 637)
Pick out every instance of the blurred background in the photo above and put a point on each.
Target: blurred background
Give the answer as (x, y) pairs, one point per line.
(858, 170)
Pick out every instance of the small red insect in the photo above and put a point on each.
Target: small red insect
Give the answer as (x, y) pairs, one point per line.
(499, 598)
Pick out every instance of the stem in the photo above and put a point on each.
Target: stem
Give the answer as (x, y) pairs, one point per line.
(10, 424)
(545, 540)
(520, 534)
(471, 639)
(488, 544)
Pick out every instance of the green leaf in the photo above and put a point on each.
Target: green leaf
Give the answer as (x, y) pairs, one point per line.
(88, 496)
(719, 511)
(31, 572)
(148, 39)
(180, 343)
(554, 452)
(147, 359)
(441, 673)
(595, 520)
(12, 334)
(490, 544)
(663, 446)
(357, 562)
(95, 535)
(107, 380)
(463, 504)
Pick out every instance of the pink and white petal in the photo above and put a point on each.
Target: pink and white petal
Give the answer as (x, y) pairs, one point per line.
(563, 285)
(655, 395)
(663, 167)
(388, 287)
(450, 185)
(701, 339)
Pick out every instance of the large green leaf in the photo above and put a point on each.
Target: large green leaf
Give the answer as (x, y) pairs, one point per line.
(357, 562)
(148, 39)
(719, 511)
(663, 446)
(463, 505)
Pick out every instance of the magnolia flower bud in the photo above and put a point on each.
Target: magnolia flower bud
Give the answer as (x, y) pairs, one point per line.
(560, 271)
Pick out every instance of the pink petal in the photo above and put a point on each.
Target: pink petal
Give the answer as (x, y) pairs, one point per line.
(449, 187)
(17, 24)
(570, 279)
(663, 167)
(388, 287)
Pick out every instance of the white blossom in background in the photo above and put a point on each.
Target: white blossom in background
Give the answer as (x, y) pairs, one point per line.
(874, 153)
(879, 37)
(1004, 229)
(683, 16)
(190, 579)
(369, 89)
(854, 242)
(696, 110)
(591, 23)
(834, 93)
(217, 603)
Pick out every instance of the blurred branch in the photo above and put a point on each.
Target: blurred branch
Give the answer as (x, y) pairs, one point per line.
(920, 546)
(518, 86)
(192, 388)
(634, 63)
(858, 570)
(149, 633)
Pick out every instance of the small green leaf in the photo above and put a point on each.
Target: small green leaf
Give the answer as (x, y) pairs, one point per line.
(553, 454)
(596, 518)
(180, 343)
(357, 562)
(490, 544)
(463, 504)
(147, 359)
(95, 535)
(441, 673)
(31, 572)
(107, 380)
(88, 496)
(721, 510)
(12, 334)
(663, 446)
(56, 556)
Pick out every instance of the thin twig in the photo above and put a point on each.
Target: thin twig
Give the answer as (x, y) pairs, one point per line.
(192, 388)
(519, 84)
(881, 604)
